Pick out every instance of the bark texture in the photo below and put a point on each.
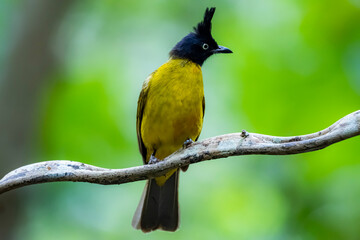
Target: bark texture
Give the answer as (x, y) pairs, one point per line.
(223, 146)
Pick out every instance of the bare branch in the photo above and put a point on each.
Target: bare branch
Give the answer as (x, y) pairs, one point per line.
(223, 146)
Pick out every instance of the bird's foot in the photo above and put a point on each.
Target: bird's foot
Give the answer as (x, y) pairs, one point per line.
(153, 159)
(187, 143)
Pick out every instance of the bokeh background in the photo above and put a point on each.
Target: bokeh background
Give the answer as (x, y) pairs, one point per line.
(70, 75)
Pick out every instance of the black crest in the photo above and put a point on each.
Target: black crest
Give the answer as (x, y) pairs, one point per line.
(204, 27)
(197, 46)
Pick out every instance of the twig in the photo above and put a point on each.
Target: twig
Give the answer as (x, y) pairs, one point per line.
(223, 146)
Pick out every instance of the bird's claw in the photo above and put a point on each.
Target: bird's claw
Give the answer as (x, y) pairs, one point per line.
(153, 160)
(187, 142)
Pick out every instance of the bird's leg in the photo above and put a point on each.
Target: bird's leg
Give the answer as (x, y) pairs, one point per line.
(153, 159)
(187, 142)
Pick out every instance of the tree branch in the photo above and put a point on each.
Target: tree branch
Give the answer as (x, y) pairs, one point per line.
(223, 146)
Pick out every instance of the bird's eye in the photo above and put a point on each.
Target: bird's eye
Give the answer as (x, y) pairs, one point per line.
(205, 46)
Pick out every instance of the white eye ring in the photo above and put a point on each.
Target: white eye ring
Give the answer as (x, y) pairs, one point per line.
(205, 46)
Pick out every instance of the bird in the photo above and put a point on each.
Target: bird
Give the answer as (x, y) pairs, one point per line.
(170, 114)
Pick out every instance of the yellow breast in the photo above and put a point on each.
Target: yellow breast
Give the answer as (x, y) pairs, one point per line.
(174, 107)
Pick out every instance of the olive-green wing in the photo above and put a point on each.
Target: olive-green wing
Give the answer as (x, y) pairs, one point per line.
(139, 115)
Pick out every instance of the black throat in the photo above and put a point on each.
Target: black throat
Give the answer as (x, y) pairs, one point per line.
(190, 47)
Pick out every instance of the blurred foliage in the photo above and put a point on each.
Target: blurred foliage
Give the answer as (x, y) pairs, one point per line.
(295, 70)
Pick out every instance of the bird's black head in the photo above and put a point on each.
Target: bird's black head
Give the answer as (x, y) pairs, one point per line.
(197, 46)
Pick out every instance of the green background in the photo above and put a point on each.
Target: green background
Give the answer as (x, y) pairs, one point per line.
(295, 70)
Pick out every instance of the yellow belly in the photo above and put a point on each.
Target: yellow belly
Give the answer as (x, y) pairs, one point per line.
(174, 109)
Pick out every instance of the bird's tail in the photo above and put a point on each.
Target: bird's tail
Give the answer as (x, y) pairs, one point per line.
(159, 206)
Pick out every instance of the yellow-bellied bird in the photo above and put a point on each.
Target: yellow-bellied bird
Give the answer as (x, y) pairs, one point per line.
(170, 115)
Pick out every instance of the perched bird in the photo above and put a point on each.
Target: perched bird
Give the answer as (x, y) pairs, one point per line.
(170, 115)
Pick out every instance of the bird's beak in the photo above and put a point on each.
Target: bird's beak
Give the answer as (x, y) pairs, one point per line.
(222, 49)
